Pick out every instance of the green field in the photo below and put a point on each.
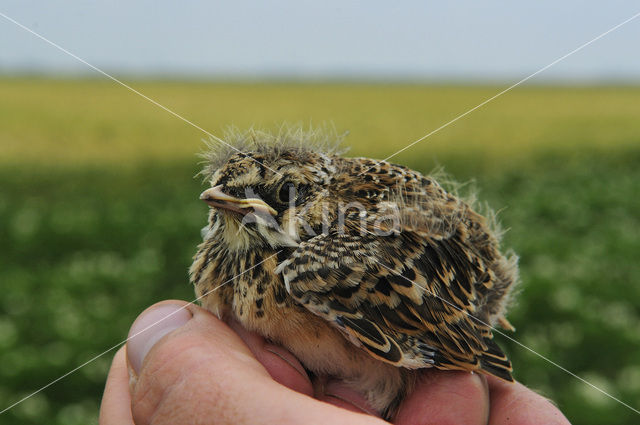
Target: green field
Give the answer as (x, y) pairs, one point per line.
(100, 217)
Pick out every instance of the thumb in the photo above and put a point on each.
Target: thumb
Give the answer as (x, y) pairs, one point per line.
(186, 366)
(179, 358)
(153, 324)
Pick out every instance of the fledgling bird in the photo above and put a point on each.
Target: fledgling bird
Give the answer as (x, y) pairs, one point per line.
(365, 270)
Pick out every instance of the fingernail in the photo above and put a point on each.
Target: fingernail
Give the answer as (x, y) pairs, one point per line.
(352, 398)
(150, 327)
(287, 357)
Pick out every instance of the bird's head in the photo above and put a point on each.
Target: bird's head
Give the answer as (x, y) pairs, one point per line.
(270, 196)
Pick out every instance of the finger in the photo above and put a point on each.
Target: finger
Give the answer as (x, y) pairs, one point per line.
(280, 363)
(340, 394)
(204, 372)
(513, 403)
(446, 397)
(287, 370)
(115, 408)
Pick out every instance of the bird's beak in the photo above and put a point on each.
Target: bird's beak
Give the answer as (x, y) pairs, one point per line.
(214, 197)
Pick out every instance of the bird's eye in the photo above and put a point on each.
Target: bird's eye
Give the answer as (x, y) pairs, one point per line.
(288, 193)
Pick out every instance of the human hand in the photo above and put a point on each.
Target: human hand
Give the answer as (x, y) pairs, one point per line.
(193, 368)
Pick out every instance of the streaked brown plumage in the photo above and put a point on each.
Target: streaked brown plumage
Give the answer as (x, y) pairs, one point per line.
(365, 270)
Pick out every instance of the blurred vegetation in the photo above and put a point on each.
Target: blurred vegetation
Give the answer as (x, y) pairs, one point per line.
(99, 218)
(84, 122)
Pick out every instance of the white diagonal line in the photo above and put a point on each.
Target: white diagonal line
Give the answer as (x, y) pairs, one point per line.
(510, 338)
(394, 154)
(447, 124)
(134, 335)
(111, 77)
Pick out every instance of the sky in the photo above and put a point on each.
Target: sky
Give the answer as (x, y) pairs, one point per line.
(464, 40)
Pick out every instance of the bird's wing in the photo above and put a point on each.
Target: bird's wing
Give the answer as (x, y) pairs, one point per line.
(410, 299)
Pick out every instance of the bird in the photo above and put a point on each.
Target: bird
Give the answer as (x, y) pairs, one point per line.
(366, 271)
